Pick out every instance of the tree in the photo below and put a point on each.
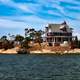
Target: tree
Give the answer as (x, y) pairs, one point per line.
(4, 37)
(30, 33)
(19, 38)
(26, 31)
(5, 43)
(76, 41)
(38, 37)
(33, 35)
(25, 43)
(11, 37)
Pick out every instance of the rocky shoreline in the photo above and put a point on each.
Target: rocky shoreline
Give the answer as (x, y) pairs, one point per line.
(73, 51)
(43, 51)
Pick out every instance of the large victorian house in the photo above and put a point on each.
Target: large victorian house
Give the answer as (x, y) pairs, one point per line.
(58, 33)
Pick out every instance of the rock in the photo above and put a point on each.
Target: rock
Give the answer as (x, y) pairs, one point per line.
(65, 52)
(23, 51)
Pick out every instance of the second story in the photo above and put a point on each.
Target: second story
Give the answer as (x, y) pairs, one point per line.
(58, 30)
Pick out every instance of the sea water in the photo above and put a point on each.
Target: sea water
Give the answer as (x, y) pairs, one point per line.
(39, 67)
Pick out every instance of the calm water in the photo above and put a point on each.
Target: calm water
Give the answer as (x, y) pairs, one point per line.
(39, 67)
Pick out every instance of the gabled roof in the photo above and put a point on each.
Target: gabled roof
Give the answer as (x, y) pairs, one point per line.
(57, 27)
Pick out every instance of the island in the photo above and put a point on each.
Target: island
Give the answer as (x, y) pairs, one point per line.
(55, 39)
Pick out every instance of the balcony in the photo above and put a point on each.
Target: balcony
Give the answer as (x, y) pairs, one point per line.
(58, 34)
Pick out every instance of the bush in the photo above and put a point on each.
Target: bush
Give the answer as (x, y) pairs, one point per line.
(79, 44)
(6, 45)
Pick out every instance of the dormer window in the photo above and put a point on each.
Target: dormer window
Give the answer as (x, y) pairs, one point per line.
(63, 27)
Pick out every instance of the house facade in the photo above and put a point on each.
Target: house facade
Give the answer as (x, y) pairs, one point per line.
(58, 33)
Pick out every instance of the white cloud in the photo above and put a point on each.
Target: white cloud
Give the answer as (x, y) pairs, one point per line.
(21, 6)
(23, 21)
(34, 21)
(5, 23)
(27, 19)
(33, 7)
(77, 34)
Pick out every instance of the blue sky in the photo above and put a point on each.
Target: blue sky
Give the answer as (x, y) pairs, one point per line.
(16, 15)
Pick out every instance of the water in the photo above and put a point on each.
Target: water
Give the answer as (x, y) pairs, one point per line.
(39, 67)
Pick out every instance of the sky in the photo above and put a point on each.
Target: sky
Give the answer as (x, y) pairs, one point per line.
(16, 15)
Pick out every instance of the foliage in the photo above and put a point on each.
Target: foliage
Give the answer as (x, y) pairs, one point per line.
(6, 44)
(27, 39)
(30, 33)
(33, 35)
(26, 42)
(19, 38)
(4, 37)
(78, 43)
(38, 37)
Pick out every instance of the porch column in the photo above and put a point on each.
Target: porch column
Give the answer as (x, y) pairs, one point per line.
(54, 40)
(51, 39)
(68, 39)
(61, 39)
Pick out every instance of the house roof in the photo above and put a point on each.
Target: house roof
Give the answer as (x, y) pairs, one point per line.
(57, 27)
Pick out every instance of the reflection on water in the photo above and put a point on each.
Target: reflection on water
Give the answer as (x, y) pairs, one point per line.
(39, 67)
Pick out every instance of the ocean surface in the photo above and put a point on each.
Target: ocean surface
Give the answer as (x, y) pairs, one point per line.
(39, 67)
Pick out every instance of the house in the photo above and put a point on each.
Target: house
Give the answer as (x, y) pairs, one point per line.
(58, 33)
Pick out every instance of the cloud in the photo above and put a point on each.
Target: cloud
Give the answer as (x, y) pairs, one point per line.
(50, 8)
(11, 24)
(24, 21)
(21, 6)
(77, 34)
(37, 13)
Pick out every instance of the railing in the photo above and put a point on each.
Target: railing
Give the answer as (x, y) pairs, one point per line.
(58, 34)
